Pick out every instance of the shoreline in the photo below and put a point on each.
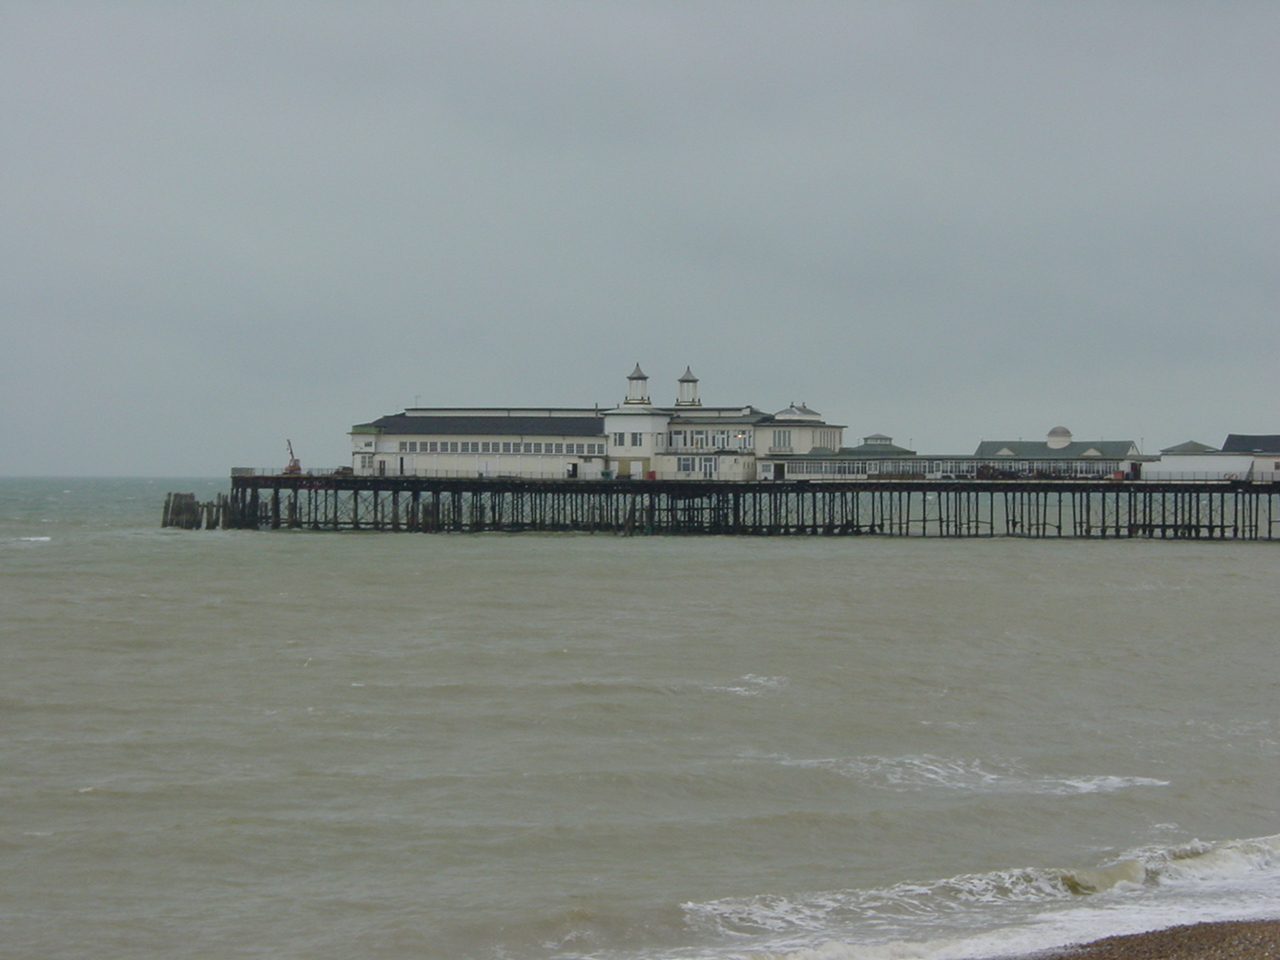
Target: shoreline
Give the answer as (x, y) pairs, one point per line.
(1210, 940)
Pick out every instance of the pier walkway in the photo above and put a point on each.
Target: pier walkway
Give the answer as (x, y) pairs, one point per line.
(1091, 509)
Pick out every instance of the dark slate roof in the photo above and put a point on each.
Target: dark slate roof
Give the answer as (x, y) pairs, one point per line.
(1191, 446)
(491, 426)
(1040, 450)
(689, 416)
(1251, 443)
(881, 449)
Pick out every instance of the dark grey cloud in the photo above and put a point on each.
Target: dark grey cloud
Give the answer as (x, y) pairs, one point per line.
(228, 223)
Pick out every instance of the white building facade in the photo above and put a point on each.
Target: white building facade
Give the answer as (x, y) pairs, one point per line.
(549, 443)
(636, 440)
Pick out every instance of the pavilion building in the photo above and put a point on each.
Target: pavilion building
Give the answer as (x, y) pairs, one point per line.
(636, 439)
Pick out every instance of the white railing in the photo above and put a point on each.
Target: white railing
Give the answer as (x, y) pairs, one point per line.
(481, 474)
(707, 450)
(1218, 476)
(281, 472)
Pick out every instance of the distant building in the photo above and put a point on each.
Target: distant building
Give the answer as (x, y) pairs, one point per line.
(636, 439)
(876, 456)
(486, 441)
(1242, 457)
(1264, 449)
(1266, 444)
(1189, 448)
(1058, 455)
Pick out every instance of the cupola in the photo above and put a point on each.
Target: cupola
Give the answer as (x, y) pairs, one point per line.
(637, 387)
(688, 390)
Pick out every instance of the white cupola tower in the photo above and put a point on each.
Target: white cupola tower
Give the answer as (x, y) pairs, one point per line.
(637, 387)
(688, 390)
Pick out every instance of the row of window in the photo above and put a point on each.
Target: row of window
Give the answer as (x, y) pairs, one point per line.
(904, 465)
(501, 446)
(690, 440)
(853, 468)
(709, 465)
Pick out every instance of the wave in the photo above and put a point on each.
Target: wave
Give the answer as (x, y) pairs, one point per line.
(916, 772)
(1008, 911)
(750, 686)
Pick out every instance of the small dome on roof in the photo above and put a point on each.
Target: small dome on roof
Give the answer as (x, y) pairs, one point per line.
(1059, 437)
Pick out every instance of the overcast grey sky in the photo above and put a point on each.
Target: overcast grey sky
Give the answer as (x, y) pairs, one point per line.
(226, 224)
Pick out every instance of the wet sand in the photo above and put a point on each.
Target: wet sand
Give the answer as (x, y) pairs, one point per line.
(1225, 940)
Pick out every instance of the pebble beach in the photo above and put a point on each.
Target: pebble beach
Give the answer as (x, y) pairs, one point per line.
(1224, 940)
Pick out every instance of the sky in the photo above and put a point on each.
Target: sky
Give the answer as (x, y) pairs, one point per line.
(226, 225)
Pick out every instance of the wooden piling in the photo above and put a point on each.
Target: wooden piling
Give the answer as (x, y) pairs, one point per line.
(1080, 509)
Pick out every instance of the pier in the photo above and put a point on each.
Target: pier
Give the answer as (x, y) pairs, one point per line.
(1079, 509)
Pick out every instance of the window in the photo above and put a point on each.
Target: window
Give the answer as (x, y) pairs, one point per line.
(403, 446)
(560, 448)
(637, 439)
(453, 446)
(366, 461)
(506, 446)
(685, 464)
(782, 439)
(619, 439)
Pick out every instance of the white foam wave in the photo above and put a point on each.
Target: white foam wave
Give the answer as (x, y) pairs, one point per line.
(34, 539)
(1196, 862)
(916, 772)
(754, 686)
(1007, 912)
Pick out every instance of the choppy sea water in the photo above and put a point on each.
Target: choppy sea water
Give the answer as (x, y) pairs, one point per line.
(363, 745)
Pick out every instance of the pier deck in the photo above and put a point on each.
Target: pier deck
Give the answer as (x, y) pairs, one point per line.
(1091, 509)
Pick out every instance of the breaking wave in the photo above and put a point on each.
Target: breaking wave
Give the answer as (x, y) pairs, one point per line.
(1035, 907)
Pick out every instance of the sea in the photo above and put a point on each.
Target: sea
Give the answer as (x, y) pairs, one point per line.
(220, 744)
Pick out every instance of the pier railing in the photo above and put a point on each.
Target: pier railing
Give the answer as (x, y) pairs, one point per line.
(1089, 509)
